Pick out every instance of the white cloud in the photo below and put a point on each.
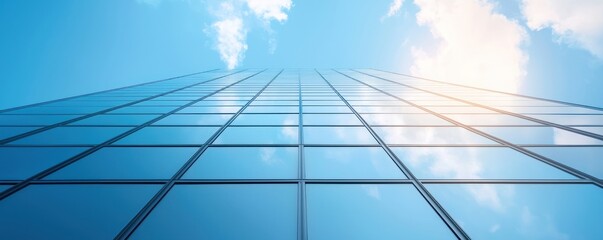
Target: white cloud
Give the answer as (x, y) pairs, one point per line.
(474, 45)
(269, 10)
(574, 22)
(394, 8)
(232, 25)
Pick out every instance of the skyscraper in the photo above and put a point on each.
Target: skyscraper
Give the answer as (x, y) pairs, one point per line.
(301, 154)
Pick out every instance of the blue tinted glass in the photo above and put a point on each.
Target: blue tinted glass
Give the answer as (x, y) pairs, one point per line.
(148, 110)
(266, 119)
(224, 211)
(194, 119)
(258, 135)
(524, 211)
(539, 135)
(245, 163)
(337, 135)
(223, 109)
(404, 119)
(586, 159)
(57, 110)
(4, 187)
(271, 109)
(6, 132)
(371, 211)
(326, 109)
(475, 163)
(169, 135)
(116, 120)
(34, 119)
(71, 211)
(18, 163)
(350, 162)
(73, 135)
(429, 135)
(331, 119)
(490, 119)
(596, 130)
(127, 163)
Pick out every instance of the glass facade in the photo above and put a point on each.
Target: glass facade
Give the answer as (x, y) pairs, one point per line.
(301, 154)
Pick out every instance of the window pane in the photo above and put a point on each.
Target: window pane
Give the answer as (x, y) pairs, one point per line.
(266, 119)
(245, 163)
(169, 135)
(91, 211)
(18, 163)
(6, 132)
(539, 135)
(331, 119)
(148, 110)
(404, 119)
(429, 135)
(271, 109)
(326, 109)
(223, 109)
(127, 163)
(490, 119)
(571, 119)
(524, 211)
(350, 163)
(73, 135)
(475, 163)
(107, 119)
(34, 119)
(337, 135)
(258, 135)
(371, 211)
(224, 211)
(195, 119)
(586, 159)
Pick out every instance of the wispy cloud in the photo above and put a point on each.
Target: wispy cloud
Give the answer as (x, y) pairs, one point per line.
(393, 9)
(474, 45)
(231, 25)
(577, 23)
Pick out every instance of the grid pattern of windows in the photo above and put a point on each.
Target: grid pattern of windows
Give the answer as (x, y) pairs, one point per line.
(301, 154)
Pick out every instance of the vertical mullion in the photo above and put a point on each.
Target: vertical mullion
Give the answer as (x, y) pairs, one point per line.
(302, 234)
(448, 220)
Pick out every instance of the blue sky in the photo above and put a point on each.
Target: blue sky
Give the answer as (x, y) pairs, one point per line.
(53, 49)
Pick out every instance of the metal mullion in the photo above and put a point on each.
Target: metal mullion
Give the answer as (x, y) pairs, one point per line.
(87, 152)
(146, 210)
(505, 181)
(547, 123)
(449, 221)
(84, 116)
(516, 147)
(302, 226)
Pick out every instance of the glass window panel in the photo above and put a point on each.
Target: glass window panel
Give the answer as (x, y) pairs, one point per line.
(258, 135)
(18, 163)
(586, 159)
(194, 119)
(489, 119)
(148, 110)
(91, 211)
(107, 119)
(371, 211)
(571, 119)
(429, 135)
(260, 103)
(331, 119)
(4, 187)
(326, 109)
(404, 119)
(223, 109)
(245, 163)
(271, 109)
(388, 109)
(337, 135)
(220, 103)
(524, 211)
(595, 130)
(266, 119)
(6, 132)
(127, 163)
(475, 163)
(17, 120)
(224, 211)
(310, 103)
(539, 135)
(58, 110)
(169, 135)
(73, 135)
(350, 163)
